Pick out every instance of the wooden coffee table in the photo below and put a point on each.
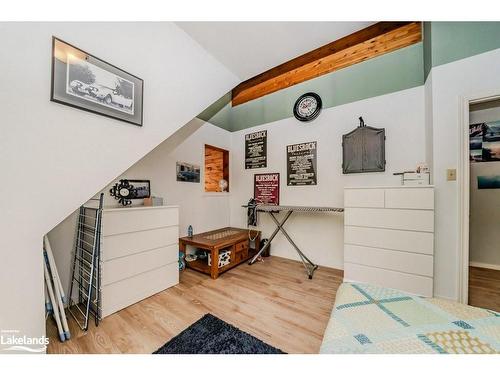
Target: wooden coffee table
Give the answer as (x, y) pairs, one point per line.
(234, 239)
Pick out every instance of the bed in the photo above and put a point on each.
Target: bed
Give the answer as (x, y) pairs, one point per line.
(371, 319)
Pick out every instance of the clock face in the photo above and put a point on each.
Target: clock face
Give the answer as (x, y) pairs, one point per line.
(124, 192)
(307, 107)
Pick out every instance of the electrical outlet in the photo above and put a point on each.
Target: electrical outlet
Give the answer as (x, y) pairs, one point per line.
(451, 174)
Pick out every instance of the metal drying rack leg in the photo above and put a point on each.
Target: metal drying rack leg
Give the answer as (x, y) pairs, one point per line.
(308, 265)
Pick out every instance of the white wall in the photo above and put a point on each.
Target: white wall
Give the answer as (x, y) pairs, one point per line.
(204, 211)
(428, 124)
(320, 236)
(53, 157)
(450, 82)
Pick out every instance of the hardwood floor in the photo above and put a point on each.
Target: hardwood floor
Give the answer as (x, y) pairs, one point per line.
(484, 288)
(273, 300)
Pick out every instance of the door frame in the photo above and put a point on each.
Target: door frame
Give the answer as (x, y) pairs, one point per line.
(464, 187)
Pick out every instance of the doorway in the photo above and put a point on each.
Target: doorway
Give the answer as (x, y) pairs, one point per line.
(481, 203)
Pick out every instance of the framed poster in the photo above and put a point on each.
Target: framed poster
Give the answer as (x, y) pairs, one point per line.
(256, 150)
(266, 188)
(301, 164)
(86, 82)
(476, 142)
(484, 142)
(488, 182)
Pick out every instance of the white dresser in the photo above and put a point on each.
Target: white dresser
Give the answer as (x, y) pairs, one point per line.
(389, 237)
(139, 254)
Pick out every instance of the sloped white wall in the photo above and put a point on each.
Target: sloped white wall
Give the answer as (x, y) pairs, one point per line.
(321, 235)
(204, 211)
(53, 157)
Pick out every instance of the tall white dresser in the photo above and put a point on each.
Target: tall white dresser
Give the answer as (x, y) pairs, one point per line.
(139, 254)
(389, 237)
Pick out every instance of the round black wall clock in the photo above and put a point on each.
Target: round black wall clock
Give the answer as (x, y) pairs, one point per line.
(307, 107)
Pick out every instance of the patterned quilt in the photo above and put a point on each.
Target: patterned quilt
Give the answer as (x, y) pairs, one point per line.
(370, 319)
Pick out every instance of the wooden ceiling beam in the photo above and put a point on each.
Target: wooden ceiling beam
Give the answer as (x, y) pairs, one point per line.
(375, 40)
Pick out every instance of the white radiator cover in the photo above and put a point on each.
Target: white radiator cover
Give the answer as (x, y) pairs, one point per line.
(389, 237)
(139, 254)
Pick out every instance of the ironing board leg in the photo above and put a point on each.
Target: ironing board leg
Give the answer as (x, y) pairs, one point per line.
(309, 266)
(278, 226)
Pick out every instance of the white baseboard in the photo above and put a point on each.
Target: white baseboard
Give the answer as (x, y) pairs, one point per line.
(485, 265)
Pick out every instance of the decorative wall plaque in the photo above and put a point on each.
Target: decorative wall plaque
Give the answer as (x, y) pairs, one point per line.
(363, 149)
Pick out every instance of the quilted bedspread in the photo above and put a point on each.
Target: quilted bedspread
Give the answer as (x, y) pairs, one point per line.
(370, 319)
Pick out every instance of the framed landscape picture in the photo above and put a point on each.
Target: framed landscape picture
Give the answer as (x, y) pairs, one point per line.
(86, 82)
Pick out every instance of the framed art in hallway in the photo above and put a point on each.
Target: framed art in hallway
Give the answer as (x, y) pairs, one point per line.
(83, 81)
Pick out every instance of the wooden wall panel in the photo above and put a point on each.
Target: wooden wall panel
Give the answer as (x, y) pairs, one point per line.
(216, 167)
(375, 40)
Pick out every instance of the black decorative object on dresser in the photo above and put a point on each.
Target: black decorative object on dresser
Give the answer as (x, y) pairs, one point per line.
(363, 149)
(126, 190)
(307, 107)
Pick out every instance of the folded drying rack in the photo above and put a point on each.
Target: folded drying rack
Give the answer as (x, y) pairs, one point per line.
(86, 272)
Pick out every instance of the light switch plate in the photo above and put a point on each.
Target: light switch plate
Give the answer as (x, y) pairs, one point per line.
(451, 174)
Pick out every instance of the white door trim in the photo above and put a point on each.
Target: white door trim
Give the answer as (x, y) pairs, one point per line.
(463, 175)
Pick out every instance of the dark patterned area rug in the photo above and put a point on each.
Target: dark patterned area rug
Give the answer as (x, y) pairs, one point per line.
(210, 335)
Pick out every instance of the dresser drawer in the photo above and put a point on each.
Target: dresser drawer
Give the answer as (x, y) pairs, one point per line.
(118, 221)
(121, 294)
(364, 198)
(416, 220)
(240, 246)
(418, 264)
(124, 267)
(421, 199)
(125, 244)
(411, 241)
(415, 284)
(241, 255)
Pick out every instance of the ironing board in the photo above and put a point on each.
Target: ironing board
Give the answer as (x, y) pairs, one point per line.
(272, 210)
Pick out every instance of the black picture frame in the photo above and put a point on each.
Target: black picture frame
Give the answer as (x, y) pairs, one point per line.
(96, 97)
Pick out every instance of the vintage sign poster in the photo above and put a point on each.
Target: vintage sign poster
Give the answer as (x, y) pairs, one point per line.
(266, 187)
(256, 150)
(301, 164)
